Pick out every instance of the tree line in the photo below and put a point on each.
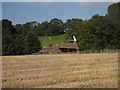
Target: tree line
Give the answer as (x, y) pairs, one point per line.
(97, 33)
(22, 39)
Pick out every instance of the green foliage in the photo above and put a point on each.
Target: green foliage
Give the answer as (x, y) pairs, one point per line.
(7, 25)
(32, 43)
(15, 41)
(97, 33)
(114, 16)
(114, 13)
(55, 27)
(7, 43)
(19, 29)
(69, 33)
(19, 45)
(104, 32)
(41, 29)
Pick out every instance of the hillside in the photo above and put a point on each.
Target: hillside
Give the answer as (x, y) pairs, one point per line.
(52, 40)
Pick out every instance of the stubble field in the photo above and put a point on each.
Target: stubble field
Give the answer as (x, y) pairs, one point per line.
(61, 71)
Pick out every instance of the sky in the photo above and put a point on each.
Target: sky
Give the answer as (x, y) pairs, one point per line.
(0, 10)
(22, 12)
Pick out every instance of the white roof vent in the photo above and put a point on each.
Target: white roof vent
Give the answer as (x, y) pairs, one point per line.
(74, 38)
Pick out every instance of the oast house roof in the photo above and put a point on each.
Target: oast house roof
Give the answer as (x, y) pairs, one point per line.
(70, 45)
(56, 48)
(50, 49)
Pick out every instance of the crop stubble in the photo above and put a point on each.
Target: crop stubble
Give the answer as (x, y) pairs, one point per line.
(61, 71)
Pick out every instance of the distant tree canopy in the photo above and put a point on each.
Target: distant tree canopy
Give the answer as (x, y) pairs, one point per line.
(114, 13)
(114, 16)
(19, 39)
(97, 33)
(32, 43)
(55, 27)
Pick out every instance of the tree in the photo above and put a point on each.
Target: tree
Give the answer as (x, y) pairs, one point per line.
(19, 43)
(103, 31)
(114, 16)
(32, 43)
(8, 33)
(72, 23)
(19, 29)
(7, 43)
(7, 25)
(29, 26)
(113, 13)
(69, 34)
(55, 27)
(41, 28)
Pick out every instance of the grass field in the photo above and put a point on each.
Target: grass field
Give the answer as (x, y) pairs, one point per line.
(45, 40)
(61, 71)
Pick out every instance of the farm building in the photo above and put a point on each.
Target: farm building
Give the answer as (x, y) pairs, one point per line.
(50, 49)
(71, 46)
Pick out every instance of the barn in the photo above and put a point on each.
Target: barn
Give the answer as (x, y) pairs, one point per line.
(66, 47)
(50, 50)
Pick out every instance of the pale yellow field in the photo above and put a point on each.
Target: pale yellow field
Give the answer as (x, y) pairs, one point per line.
(61, 71)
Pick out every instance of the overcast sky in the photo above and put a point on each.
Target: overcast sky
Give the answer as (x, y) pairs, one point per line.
(22, 12)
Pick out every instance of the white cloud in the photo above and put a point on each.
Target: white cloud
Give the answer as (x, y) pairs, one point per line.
(90, 4)
(60, 0)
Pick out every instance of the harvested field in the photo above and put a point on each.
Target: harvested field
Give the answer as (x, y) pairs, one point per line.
(61, 71)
